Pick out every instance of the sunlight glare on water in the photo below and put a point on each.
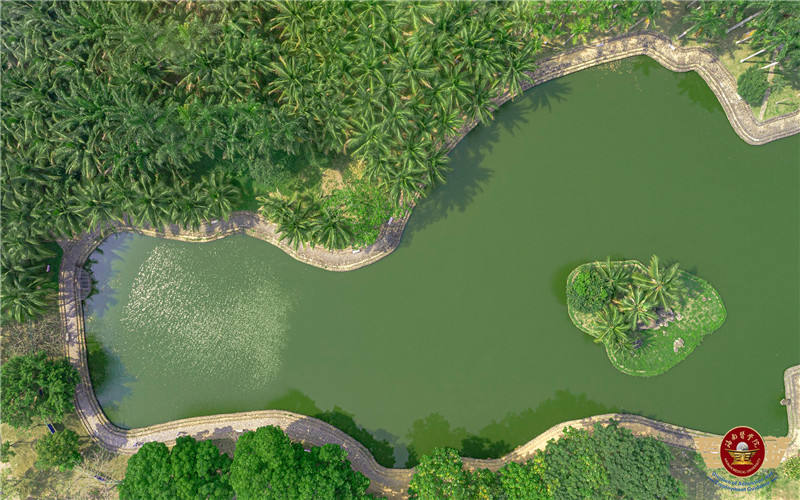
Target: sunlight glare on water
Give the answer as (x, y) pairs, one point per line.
(189, 313)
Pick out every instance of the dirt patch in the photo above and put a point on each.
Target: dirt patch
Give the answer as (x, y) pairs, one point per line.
(331, 180)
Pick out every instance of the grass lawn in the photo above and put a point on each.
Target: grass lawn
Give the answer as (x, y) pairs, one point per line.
(700, 314)
(21, 479)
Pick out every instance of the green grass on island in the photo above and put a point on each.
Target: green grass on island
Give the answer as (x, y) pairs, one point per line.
(670, 329)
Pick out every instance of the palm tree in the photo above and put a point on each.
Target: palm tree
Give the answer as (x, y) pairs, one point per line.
(437, 168)
(189, 210)
(515, 72)
(481, 104)
(405, 182)
(457, 85)
(369, 138)
(663, 286)
(332, 229)
(612, 329)
(218, 194)
(413, 63)
(151, 202)
(275, 208)
(298, 224)
(25, 295)
(616, 274)
(579, 28)
(97, 203)
(637, 307)
(290, 82)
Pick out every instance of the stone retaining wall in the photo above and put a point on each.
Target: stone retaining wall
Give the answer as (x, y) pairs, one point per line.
(387, 482)
(393, 482)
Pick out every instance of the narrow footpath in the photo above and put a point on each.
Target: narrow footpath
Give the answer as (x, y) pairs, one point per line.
(393, 482)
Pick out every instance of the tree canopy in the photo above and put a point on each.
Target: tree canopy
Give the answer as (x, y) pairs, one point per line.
(60, 450)
(752, 85)
(608, 462)
(162, 112)
(268, 465)
(36, 387)
(192, 470)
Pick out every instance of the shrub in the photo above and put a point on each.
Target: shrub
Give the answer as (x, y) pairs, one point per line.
(791, 468)
(589, 292)
(59, 450)
(752, 85)
(366, 207)
(6, 452)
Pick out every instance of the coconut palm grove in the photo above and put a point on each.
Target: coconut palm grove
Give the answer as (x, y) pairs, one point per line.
(343, 131)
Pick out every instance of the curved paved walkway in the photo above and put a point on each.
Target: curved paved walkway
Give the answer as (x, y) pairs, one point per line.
(392, 482)
(387, 482)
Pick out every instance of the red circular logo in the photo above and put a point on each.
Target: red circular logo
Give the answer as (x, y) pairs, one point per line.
(742, 451)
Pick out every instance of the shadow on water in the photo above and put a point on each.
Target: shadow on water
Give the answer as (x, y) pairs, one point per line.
(99, 363)
(469, 177)
(558, 284)
(692, 86)
(111, 382)
(102, 263)
(380, 443)
(499, 438)
(462, 186)
(543, 96)
(644, 65)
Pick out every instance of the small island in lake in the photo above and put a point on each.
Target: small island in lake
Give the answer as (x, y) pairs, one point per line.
(649, 318)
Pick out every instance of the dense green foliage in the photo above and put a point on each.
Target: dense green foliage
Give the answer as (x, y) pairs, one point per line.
(659, 284)
(34, 386)
(382, 451)
(624, 303)
(441, 475)
(589, 292)
(122, 110)
(656, 316)
(347, 217)
(752, 85)
(524, 481)
(609, 462)
(268, 465)
(60, 450)
(192, 470)
(365, 206)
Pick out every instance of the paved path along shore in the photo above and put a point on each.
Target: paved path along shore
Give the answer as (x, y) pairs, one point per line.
(393, 482)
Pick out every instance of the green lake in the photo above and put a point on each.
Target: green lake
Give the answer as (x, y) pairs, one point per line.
(462, 332)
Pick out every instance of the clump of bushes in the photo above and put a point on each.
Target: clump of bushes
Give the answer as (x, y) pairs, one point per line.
(752, 85)
(348, 217)
(608, 462)
(791, 468)
(58, 451)
(589, 292)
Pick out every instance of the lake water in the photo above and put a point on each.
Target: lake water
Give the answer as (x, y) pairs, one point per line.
(463, 331)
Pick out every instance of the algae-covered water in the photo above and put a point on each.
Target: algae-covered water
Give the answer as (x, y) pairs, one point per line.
(462, 333)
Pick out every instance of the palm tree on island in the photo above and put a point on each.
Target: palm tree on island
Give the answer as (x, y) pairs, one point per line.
(660, 285)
